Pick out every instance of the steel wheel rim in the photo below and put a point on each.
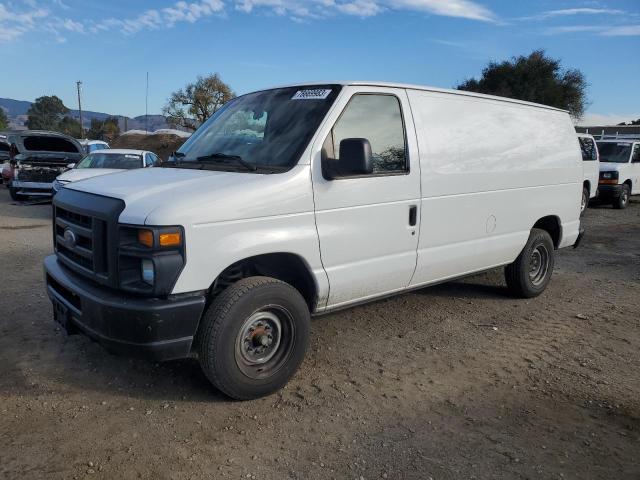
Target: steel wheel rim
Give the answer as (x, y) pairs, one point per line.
(583, 206)
(264, 341)
(624, 196)
(538, 265)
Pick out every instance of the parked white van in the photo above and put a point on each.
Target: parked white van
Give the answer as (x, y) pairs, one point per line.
(590, 168)
(619, 170)
(301, 200)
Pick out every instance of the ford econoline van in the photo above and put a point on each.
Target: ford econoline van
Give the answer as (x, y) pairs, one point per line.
(302, 200)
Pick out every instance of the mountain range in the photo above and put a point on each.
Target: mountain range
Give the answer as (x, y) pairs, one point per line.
(17, 113)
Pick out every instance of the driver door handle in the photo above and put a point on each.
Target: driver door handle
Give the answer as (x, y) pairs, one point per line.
(413, 215)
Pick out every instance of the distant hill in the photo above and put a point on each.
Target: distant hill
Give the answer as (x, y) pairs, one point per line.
(17, 114)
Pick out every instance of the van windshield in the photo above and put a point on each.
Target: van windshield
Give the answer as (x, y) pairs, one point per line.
(614, 152)
(261, 132)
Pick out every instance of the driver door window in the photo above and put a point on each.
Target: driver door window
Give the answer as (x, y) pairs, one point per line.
(378, 118)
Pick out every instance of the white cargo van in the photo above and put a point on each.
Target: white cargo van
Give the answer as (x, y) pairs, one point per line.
(590, 168)
(619, 170)
(301, 200)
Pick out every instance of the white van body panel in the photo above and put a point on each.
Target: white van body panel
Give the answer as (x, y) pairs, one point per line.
(591, 169)
(490, 170)
(368, 247)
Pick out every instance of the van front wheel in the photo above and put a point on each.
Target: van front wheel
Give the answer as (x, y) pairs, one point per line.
(253, 337)
(622, 201)
(530, 273)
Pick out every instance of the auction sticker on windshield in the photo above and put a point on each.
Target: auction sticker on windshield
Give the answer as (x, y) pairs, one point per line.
(315, 94)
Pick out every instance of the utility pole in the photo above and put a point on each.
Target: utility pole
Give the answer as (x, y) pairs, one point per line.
(79, 86)
(146, 108)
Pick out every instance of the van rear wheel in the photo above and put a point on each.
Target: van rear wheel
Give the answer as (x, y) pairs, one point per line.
(530, 273)
(253, 337)
(585, 200)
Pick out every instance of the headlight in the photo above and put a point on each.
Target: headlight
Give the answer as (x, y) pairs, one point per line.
(150, 259)
(58, 184)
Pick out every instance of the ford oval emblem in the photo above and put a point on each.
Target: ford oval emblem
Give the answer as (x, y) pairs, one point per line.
(70, 238)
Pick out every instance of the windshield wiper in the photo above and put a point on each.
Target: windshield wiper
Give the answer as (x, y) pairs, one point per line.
(224, 156)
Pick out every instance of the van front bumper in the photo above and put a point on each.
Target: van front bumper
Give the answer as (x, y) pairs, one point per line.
(159, 329)
(33, 188)
(609, 191)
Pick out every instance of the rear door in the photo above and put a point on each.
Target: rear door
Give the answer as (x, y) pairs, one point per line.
(368, 225)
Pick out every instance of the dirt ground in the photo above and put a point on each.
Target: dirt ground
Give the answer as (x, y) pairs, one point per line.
(457, 381)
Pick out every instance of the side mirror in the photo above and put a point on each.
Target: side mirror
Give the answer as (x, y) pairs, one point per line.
(71, 165)
(355, 159)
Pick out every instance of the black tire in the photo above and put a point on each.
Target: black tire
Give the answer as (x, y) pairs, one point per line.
(232, 355)
(530, 273)
(585, 200)
(15, 196)
(622, 201)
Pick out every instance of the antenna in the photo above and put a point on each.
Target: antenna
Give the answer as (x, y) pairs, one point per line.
(79, 87)
(146, 108)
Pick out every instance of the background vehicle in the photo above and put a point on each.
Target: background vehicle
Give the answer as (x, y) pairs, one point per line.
(103, 162)
(93, 145)
(42, 157)
(619, 170)
(590, 167)
(4, 161)
(306, 199)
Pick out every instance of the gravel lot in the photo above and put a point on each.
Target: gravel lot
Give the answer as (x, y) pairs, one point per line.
(457, 381)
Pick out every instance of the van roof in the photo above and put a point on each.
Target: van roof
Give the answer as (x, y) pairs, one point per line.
(409, 86)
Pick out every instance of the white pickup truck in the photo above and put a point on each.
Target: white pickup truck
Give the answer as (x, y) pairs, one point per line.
(301, 200)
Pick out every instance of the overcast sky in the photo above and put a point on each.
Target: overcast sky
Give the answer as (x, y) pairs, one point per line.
(110, 45)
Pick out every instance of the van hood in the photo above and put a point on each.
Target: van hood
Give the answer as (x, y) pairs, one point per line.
(83, 173)
(610, 166)
(173, 196)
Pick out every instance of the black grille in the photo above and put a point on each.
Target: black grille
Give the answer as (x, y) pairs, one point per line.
(38, 176)
(85, 234)
(85, 246)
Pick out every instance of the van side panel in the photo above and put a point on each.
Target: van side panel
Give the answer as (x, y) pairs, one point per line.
(490, 170)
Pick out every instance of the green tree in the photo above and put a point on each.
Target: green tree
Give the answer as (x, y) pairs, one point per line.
(107, 129)
(4, 121)
(69, 126)
(534, 78)
(46, 113)
(190, 106)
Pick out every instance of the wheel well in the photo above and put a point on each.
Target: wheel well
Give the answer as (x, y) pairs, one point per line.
(628, 182)
(288, 267)
(551, 225)
(587, 185)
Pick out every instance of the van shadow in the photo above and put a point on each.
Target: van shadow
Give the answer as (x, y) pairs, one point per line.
(488, 285)
(85, 365)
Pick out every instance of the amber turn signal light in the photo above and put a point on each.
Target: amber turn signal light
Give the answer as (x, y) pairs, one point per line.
(173, 239)
(145, 237)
